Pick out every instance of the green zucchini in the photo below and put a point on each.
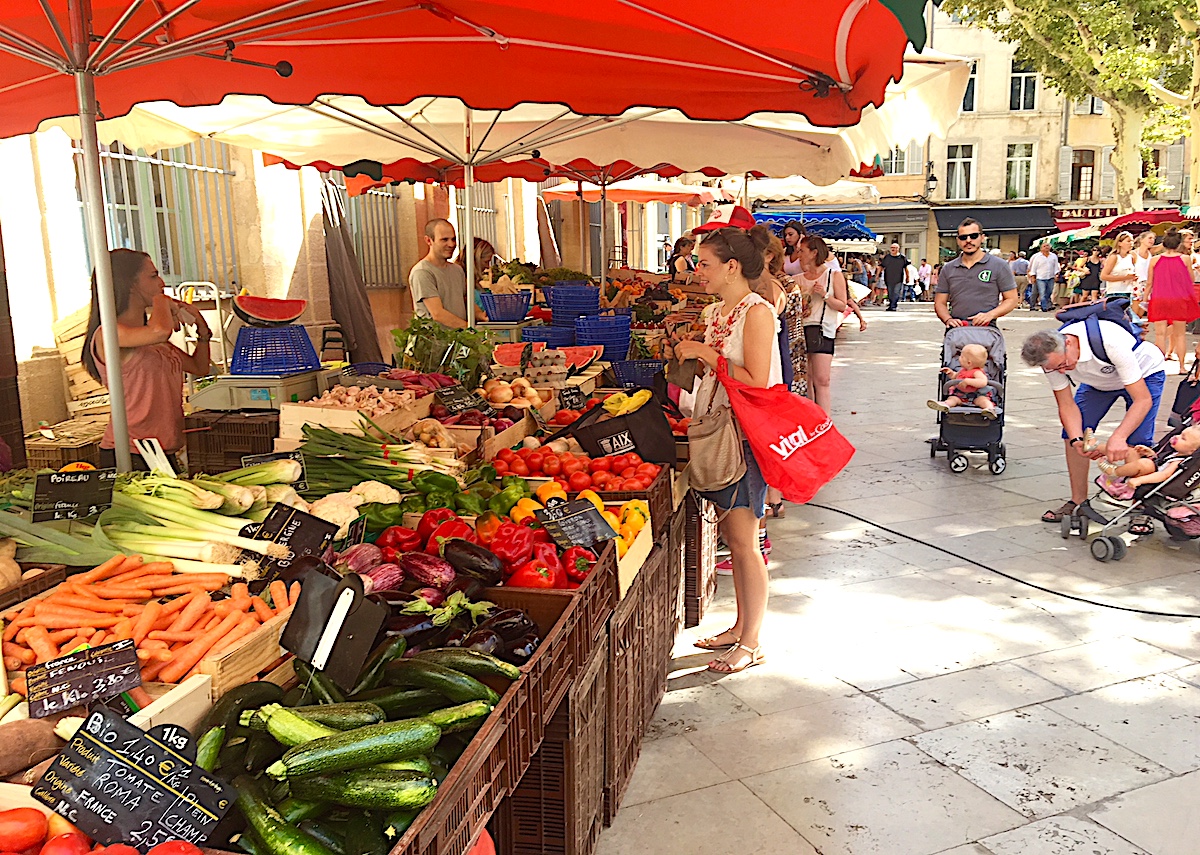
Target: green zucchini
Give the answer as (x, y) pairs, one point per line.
(389, 650)
(370, 788)
(275, 833)
(332, 717)
(322, 688)
(412, 764)
(455, 685)
(208, 749)
(402, 703)
(287, 726)
(397, 823)
(466, 716)
(375, 743)
(296, 696)
(470, 662)
(327, 833)
(226, 712)
(233, 754)
(261, 752)
(294, 810)
(364, 836)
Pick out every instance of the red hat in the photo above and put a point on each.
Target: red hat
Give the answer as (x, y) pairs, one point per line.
(726, 216)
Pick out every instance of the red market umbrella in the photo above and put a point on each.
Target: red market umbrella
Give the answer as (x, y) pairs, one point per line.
(1143, 219)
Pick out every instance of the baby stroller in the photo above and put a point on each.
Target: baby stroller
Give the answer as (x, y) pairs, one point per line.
(1174, 502)
(965, 428)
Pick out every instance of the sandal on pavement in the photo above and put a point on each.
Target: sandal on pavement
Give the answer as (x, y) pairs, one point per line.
(776, 509)
(1067, 509)
(721, 663)
(712, 642)
(1141, 525)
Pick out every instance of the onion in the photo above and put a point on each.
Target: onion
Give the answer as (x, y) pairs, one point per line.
(501, 394)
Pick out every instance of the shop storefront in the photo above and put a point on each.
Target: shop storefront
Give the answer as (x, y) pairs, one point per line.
(1009, 228)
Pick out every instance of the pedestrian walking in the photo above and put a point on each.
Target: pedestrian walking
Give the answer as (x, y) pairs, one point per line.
(1043, 268)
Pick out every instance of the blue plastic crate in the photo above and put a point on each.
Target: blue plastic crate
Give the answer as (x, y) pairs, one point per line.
(274, 350)
(505, 308)
(637, 373)
(553, 336)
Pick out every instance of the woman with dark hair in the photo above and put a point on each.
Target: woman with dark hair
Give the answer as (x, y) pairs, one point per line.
(151, 367)
(680, 261)
(825, 290)
(1088, 289)
(792, 234)
(1172, 298)
(743, 329)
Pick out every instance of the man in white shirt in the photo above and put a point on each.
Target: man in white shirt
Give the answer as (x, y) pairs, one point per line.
(924, 274)
(1107, 362)
(1043, 267)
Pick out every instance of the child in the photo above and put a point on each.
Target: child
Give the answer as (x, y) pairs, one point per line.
(971, 383)
(1141, 466)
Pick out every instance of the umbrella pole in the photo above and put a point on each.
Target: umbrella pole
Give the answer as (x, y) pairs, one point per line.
(469, 221)
(93, 201)
(603, 232)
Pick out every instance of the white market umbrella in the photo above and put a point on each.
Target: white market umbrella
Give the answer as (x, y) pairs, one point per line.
(799, 190)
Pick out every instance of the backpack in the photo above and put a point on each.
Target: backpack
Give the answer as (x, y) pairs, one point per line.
(1112, 310)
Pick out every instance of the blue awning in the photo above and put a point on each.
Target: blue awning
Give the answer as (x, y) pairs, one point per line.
(826, 225)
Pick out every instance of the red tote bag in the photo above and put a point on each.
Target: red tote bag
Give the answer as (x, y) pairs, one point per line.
(794, 441)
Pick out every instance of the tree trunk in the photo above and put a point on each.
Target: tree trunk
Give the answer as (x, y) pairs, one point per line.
(1126, 156)
(1193, 197)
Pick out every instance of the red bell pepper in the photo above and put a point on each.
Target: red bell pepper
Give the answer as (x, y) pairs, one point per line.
(431, 520)
(399, 538)
(540, 535)
(513, 543)
(448, 530)
(532, 574)
(391, 554)
(547, 553)
(578, 562)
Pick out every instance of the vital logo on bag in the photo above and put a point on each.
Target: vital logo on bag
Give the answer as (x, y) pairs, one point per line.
(793, 442)
(618, 443)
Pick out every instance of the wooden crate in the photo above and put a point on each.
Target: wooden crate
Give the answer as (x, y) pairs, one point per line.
(489, 443)
(74, 440)
(242, 662)
(292, 417)
(184, 704)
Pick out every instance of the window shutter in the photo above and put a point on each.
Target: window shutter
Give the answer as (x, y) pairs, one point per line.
(1108, 176)
(1174, 172)
(1083, 106)
(1097, 106)
(916, 160)
(1064, 172)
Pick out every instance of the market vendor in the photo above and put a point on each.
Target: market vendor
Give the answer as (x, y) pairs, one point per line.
(439, 288)
(151, 367)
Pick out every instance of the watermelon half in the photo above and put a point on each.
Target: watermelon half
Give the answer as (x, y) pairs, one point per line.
(510, 354)
(266, 312)
(582, 355)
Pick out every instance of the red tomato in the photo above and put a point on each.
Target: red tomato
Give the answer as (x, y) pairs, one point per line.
(72, 843)
(566, 457)
(599, 479)
(519, 467)
(643, 483)
(551, 465)
(59, 825)
(619, 462)
(594, 402)
(500, 466)
(21, 828)
(175, 847)
(559, 479)
(523, 453)
(570, 467)
(580, 481)
(648, 470)
(629, 472)
(634, 459)
(535, 461)
(506, 455)
(600, 464)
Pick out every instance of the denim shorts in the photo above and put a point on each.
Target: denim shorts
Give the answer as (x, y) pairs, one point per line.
(1094, 405)
(749, 492)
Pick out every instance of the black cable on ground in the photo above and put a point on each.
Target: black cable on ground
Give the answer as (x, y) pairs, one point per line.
(999, 572)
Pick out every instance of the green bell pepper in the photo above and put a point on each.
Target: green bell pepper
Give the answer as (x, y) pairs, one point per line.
(470, 503)
(414, 504)
(506, 499)
(516, 481)
(440, 499)
(435, 482)
(380, 516)
(485, 490)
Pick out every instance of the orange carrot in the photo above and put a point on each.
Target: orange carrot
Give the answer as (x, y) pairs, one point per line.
(239, 591)
(140, 697)
(211, 621)
(197, 605)
(111, 567)
(247, 625)
(23, 653)
(262, 609)
(279, 595)
(190, 587)
(112, 592)
(154, 644)
(123, 629)
(293, 594)
(178, 580)
(65, 622)
(82, 618)
(145, 621)
(91, 604)
(11, 629)
(97, 638)
(17, 684)
(172, 606)
(61, 635)
(41, 645)
(190, 635)
(196, 650)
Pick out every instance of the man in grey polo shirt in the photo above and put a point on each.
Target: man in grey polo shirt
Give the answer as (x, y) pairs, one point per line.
(977, 287)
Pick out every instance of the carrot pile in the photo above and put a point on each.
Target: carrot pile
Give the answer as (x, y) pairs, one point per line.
(171, 617)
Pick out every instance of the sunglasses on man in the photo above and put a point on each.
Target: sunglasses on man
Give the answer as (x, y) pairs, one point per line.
(971, 236)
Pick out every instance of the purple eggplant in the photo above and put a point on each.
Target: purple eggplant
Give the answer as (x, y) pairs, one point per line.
(471, 559)
(471, 588)
(431, 595)
(484, 641)
(410, 626)
(360, 558)
(510, 624)
(385, 577)
(519, 652)
(427, 569)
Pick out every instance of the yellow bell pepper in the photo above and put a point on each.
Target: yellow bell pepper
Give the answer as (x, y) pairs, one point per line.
(549, 490)
(523, 510)
(611, 519)
(640, 506)
(633, 522)
(622, 548)
(591, 496)
(629, 533)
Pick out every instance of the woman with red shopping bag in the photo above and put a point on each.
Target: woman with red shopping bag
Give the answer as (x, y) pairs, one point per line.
(742, 332)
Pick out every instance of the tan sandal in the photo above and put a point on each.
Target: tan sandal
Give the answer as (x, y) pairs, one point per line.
(756, 657)
(711, 643)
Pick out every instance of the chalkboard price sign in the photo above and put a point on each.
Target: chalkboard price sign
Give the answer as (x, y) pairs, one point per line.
(458, 399)
(254, 459)
(574, 523)
(77, 679)
(72, 495)
(571, 398)
(303, 534)
(119, 784)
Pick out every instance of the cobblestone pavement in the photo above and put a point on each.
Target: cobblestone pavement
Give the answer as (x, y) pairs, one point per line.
(914, 703)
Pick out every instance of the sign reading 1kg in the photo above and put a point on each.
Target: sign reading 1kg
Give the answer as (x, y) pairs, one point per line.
(72, 495)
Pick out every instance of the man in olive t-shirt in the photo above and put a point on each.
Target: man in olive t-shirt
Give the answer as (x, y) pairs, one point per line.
(439, 288)
(977, 287)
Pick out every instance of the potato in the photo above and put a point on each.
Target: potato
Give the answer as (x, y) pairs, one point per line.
(25, 743)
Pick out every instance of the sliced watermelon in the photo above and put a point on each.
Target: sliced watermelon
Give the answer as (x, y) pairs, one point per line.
(510, 354)
(266, 312)
(582, 355)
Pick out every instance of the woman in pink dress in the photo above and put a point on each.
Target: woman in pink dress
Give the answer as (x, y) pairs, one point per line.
(1172, 299)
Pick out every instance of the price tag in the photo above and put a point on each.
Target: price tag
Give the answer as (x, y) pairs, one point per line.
(299, 486)
(72, 495)
(540, 420)
(119, 784)
(458, 399)
(355, 534)
(302, 534)
(571, 398)
(77, 679)
(574, 523)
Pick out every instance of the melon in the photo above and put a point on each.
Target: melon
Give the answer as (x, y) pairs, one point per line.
(582, 355)
(510, 354)
(266, 312)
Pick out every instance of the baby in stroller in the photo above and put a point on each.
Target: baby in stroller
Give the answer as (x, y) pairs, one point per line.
(970, 383)
(1144, 465)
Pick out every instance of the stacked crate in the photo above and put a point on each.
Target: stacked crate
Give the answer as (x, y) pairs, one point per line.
(700, 558)
(87, 397)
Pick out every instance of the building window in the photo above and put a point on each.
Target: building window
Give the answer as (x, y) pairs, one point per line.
(1089, 105)
(1020, 171)
(1022, 93)
(958, 171)
(968, 102)
(894, 162)
(176, 205)
(1152, 163)
(1083, 175)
